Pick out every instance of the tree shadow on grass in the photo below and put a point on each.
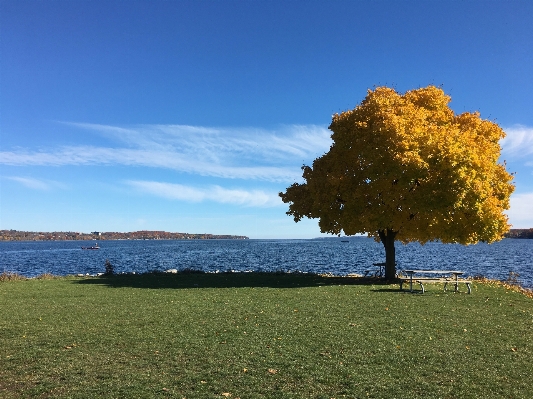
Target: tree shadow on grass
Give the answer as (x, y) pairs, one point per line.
(225, 280)
(395, 287)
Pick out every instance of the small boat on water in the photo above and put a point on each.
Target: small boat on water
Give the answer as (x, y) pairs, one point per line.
(95, 246)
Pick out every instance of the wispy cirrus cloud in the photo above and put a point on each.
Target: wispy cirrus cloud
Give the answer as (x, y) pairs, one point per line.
(518, 142)
(214, 193)
(242, 153)
(259, 145)
(87, 155)
(35, 184)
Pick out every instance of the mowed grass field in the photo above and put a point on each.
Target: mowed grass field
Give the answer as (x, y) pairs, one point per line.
(247, 335)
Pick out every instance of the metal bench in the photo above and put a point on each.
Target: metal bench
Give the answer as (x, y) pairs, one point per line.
(438, 276)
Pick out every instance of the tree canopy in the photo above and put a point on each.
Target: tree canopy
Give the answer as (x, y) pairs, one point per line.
(406, 167)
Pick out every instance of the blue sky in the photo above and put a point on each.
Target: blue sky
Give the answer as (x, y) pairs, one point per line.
(190, 116)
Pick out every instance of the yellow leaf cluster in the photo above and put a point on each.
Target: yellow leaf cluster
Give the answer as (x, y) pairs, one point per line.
(407, 163)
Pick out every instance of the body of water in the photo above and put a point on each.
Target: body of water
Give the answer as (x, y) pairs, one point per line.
(333, 255)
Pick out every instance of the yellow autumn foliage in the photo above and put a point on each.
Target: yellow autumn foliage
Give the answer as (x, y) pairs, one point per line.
(409, 165)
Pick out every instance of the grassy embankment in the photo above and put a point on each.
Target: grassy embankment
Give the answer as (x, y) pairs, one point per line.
(260, 336)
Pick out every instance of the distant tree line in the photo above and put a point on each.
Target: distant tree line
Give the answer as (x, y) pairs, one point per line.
(520, 233)
(16, 235)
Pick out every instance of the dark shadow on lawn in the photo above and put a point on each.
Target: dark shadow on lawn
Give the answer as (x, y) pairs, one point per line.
(391, 289)
(225, 280)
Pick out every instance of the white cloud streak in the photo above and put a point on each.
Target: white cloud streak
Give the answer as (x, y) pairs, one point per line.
(35, 184)
(521, 211)
(240, 153)
(86, 155)
(252, 198)
(519, 141)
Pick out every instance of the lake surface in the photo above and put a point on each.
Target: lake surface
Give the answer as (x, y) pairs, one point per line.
(319, 256)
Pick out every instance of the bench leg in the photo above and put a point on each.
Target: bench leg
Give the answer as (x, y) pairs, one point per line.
(456, 284)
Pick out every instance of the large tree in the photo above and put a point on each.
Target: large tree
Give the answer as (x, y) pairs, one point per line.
(407, 168)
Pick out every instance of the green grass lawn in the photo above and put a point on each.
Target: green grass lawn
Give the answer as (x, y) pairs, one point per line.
(251, 335)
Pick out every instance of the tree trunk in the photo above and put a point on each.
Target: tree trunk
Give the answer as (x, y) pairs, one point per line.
(387, 238)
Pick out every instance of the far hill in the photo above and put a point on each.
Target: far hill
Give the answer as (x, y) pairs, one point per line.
(15, 235)
(520, 233)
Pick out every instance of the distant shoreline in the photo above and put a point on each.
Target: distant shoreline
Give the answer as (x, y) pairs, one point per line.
(16, 235)
(520, 233)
